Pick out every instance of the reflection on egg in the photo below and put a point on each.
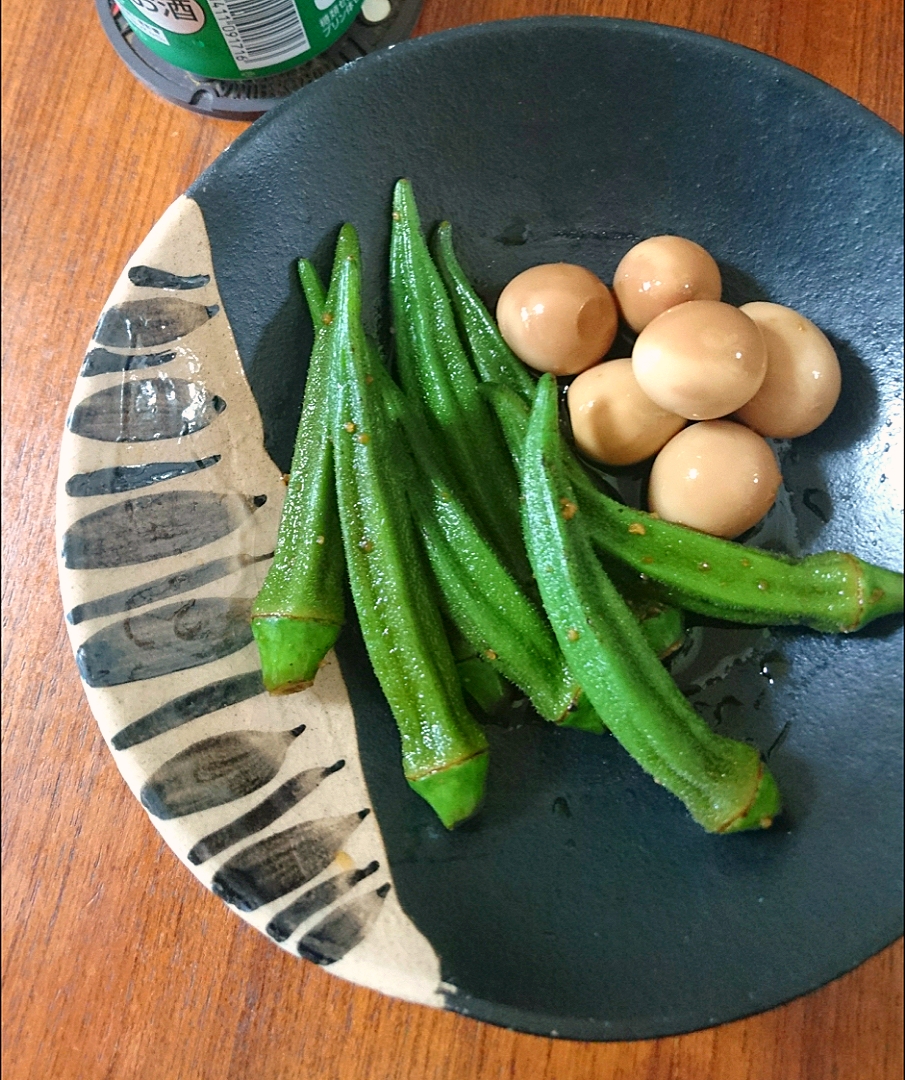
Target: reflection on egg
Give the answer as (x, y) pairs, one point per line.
(702, 359)
(613, 420)
(557, 317)
(718, 477)
(803, 378)
(661, 272)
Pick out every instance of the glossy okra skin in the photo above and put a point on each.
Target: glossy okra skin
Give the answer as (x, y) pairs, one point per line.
(435, 371)
(723, 783)
(481, 681)
(299, 610)
(662, 624)
(508, 635)
(494, 361)
(479, 595)
(832, 591)
(444, 751)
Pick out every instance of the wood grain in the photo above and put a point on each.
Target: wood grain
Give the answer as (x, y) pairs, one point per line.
(116, 964)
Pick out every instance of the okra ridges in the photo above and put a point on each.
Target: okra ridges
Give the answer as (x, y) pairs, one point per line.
(300, 607)
(399, 620)
(436, 372)
(717, 779)
(494, 361)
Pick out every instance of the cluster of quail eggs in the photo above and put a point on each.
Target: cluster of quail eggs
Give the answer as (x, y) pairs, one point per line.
(705, 384)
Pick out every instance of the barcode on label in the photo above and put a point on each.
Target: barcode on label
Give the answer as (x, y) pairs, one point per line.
(260, 33)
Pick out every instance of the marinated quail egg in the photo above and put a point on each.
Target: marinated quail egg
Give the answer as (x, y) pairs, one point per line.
(613, 420)
(702, 359)
(661, 272)
(803, 378)
(557, 317)
(718, 477)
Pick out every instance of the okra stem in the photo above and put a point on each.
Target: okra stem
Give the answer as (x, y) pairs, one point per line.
(444, 751)
(723, 783)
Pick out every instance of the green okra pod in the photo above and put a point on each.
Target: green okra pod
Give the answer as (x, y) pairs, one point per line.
(315, 293)
(494, 361)
(723, 783)
(484, 686)
(480, 596)
(444, 751)
(662, 624)
(832, 591)
(299, 610)
(480, 680)
(435, 371)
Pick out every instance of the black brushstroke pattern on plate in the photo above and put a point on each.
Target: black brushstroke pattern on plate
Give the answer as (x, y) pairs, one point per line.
(120, 478)
(161, 588)
(267, 811)
(287, 921)
(168, 639)
(214, 771)
(152, 527)
(146, 410)
(102, 361)
(270, 868)
(150, 277)
(342, 929)
(144, 324)
(190, 706)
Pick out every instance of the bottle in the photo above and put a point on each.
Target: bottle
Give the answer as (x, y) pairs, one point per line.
(238, 39)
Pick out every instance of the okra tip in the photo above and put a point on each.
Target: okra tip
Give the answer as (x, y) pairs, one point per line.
(764, 807)
(291, 650)
(485, 686)
(582, 716)
(347, 242)
(456, 792)
(404, 200)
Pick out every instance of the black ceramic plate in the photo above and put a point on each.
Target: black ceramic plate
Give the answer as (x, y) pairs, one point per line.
(583, 902)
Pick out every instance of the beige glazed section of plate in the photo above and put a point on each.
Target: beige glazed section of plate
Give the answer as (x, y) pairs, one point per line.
(167, 510)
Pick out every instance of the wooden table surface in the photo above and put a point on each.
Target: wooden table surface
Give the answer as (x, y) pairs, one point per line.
(116, 963)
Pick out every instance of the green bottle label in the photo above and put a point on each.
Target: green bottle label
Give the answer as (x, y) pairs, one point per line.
(235, 39)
